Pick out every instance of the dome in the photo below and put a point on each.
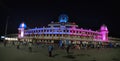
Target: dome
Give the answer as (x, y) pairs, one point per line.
(104, 27)
(63, 18)
(23, 25)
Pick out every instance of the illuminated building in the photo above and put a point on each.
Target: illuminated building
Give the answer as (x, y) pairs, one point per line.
(63, 30)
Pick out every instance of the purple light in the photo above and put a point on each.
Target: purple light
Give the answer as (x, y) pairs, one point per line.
(104, 32)
(103, 27)
(73, 31)
(22, 34)
(104, 38)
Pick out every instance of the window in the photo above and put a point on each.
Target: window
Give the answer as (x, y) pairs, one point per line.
(76, 31)
(67, 30)
(73, 31)
(47, 30)
(50, 30)
(41, 30)
(63, 30)
(44, 30)
(79, 31)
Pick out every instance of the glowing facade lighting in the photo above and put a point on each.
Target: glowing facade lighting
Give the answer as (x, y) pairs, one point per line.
(59, 30)
(104, 32)
(22, 33)
(11, 39)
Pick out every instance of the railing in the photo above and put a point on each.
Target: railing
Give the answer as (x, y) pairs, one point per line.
(62, 37)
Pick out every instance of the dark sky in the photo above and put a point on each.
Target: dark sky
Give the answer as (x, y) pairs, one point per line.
(86, 13)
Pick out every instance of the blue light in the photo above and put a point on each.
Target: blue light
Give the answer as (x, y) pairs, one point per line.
(63, 18)
(23, 25)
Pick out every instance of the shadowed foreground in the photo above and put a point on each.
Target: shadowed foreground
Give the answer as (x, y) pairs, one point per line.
(41, 54)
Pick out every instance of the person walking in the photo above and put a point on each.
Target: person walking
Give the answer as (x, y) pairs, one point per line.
(30, 47)
(13, 43)
(5, 43)
(67, 49)
(18, 45)
(50, 49)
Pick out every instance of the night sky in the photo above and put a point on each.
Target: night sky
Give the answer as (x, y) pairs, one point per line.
(86, 13)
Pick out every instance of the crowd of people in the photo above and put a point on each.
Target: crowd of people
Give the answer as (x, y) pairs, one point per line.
(66, 47)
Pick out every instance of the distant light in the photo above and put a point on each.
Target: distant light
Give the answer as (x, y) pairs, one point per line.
(11, 39)
(2, 36)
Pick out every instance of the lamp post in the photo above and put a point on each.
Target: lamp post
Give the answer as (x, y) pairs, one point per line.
(6, 25)
(6, 31)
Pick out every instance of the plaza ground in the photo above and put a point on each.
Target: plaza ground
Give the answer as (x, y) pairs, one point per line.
(10, 53)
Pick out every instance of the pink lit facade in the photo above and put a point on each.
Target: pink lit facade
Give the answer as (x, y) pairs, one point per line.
(104, 32)
(57, 31)
(69, 32)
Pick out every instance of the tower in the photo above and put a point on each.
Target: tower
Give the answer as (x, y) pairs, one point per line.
(21, 29)
(104, 32)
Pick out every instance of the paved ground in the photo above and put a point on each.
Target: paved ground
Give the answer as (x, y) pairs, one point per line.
(41, 54)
